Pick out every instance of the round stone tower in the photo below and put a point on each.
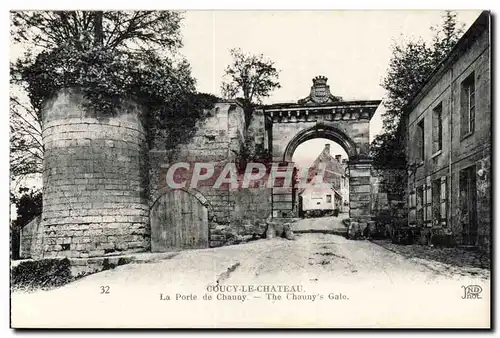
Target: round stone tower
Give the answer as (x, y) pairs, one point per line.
(94, 180)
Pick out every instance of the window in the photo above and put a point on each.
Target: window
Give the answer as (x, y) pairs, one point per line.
(437, 128)
(328, 198)
(467, 106)
(420, 141)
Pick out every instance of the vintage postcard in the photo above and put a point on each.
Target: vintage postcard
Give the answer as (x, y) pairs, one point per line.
(250, 169)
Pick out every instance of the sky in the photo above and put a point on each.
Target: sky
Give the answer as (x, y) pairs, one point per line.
(351, 48)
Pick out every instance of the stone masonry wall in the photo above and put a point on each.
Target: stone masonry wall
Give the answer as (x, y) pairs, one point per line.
(217, 139)
(95, 180)
(27, 236)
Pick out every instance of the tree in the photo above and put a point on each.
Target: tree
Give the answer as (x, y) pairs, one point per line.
(446, 36)
(409, 67)
(252, 76)
(28, 204)
(108, 55)
(26, 145)
(388, 146)
(412, 62)
(47, 30)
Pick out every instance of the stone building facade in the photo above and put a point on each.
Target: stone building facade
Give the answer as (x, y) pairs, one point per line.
(449, 145)
(336, 196)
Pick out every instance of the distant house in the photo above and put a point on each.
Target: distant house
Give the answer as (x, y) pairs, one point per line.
(326, 199)
(449, 133)
(336, 194)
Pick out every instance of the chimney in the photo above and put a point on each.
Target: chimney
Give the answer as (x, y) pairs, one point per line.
(327, 148)
(338, 158)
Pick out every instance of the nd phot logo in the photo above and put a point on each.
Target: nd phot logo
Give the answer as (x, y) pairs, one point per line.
(472, 292)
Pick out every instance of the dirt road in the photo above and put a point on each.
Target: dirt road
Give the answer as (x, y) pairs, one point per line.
(331, 223)
(341, 283)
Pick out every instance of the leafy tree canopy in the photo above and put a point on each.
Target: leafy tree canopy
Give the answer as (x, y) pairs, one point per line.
(142, 30)
(251, 76)
(108, 55)
(28, 204)
(412, 62)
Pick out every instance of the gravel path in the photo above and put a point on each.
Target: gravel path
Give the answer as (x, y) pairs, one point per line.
(369, 286)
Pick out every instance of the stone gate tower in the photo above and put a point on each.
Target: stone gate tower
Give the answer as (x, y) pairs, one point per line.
(94, 180)
(323, 115)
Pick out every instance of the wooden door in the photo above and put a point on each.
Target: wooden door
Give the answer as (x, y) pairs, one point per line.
(178, 221)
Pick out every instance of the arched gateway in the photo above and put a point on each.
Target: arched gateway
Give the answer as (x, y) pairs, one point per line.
(322, 115)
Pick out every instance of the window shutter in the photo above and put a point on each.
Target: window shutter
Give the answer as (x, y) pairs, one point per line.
(420, 205)
(418, 201)
(444, 201)
(428, 210)
(428, 204)
(428, 197)
(424, 203)
(443, 189)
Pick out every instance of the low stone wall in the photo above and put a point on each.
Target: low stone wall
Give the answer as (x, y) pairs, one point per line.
(27, 235)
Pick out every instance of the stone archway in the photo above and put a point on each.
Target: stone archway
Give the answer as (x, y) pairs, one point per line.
(321, 130)
(323, 115)
(359, 167)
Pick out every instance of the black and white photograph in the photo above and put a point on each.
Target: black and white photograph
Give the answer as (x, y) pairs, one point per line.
(250, 168)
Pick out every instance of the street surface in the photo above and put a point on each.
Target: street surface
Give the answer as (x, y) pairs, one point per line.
(330, 223)
(361, 284)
